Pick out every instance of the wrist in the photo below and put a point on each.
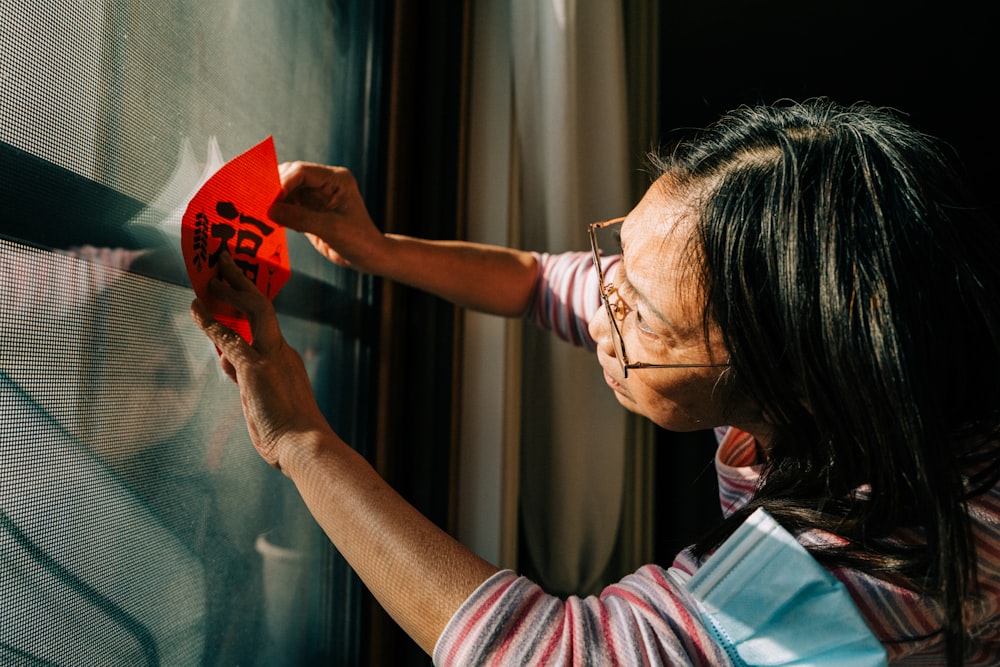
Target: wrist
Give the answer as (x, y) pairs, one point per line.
(385, 255)
(300, 450)
(370, 254)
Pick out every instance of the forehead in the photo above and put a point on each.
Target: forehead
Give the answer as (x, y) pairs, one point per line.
(656, 235)
(662, 263)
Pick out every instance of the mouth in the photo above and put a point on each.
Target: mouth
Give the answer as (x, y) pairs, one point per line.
(613, 383)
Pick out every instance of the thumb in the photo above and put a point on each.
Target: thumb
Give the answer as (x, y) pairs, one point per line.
(293, 216)
(233, 349)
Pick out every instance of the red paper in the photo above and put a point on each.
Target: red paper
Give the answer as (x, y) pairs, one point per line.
(230, 212)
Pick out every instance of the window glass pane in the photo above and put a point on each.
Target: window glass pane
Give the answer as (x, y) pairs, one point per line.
(137, 523)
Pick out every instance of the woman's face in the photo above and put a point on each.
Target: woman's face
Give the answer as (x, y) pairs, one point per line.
(658, 280)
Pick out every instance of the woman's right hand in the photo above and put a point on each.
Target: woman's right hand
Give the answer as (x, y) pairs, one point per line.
(324, 203)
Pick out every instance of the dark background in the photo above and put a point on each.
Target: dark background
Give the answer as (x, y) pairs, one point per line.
(935, 62)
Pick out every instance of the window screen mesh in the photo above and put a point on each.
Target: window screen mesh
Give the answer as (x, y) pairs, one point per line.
(138, 526)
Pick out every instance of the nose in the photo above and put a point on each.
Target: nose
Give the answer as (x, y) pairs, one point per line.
(600, 330)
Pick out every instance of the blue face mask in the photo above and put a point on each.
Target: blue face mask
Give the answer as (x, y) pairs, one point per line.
(770, 603)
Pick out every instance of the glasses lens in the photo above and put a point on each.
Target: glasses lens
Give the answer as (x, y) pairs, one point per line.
(597, 232)
(616, 337)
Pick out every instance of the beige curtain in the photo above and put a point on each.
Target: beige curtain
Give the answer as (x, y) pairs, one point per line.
(548, 153)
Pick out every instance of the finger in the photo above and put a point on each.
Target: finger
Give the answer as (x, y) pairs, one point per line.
(290, 174)
(292, 216)
(234, 276)
(296, 176)
(314, 185)
(228, 368)
(235, 288)
(231, 345)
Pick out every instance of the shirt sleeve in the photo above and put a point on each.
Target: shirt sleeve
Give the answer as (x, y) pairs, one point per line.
(648, 618)
(568, 295)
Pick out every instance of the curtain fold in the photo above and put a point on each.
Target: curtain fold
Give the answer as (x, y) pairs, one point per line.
(548, 153)
(569, 100)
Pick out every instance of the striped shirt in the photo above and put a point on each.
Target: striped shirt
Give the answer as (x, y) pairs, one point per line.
(648, 618)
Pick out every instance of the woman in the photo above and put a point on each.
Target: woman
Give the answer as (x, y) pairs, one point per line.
(809, 278)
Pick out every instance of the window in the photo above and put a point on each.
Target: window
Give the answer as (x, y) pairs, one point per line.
(137, 524)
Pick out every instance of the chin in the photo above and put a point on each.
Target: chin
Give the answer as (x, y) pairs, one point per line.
(626, 401)
(679, 422)
(683, 428)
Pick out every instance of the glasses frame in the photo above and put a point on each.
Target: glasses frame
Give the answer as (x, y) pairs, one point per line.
(618, 311)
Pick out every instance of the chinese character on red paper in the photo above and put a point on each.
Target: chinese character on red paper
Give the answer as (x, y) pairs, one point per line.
(229, 213)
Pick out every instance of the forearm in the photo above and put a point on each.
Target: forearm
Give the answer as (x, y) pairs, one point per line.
(489, 279)
(419, 573)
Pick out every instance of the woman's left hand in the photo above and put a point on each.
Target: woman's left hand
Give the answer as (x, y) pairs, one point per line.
(278, 400)
(417, 571)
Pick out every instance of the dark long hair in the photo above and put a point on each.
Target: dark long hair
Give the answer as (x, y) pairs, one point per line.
(858, 293)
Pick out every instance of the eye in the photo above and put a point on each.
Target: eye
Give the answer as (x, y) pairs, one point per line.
(641, 323)
(628, 294)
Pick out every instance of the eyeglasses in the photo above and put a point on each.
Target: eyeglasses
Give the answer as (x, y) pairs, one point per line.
(618, 309)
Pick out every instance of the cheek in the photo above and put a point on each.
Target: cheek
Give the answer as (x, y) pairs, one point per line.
(680, 404)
